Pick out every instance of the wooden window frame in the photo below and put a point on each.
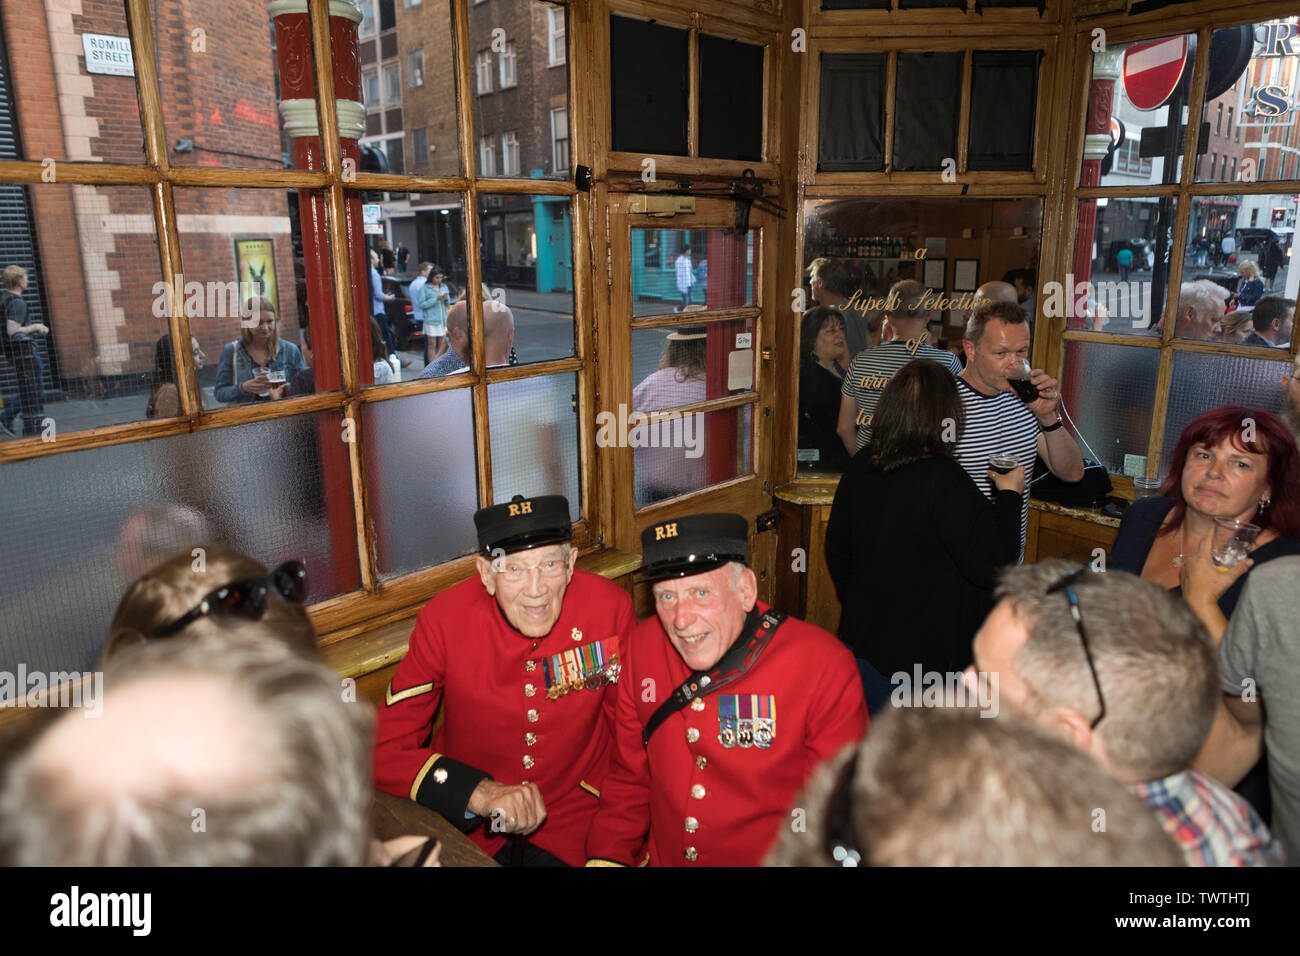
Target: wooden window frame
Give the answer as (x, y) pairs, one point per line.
(375, 601)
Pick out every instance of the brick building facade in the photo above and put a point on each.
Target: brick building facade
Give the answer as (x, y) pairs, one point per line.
(97, 261)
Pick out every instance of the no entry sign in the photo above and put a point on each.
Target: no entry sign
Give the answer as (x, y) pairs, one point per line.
(1152, 70)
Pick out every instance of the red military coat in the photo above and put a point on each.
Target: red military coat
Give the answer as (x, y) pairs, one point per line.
(500, 721)
(704, 803)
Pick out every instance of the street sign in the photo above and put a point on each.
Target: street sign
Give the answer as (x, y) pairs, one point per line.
(1152, 71)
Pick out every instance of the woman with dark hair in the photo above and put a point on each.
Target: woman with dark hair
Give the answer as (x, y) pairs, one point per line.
(164, 398)
(912, 544)
(1230, 462)
(823, 360)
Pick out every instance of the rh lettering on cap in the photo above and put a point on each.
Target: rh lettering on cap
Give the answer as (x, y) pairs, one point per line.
(526, 508)
(666, 531)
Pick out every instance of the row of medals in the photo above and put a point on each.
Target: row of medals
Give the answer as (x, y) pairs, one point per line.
(594, 680)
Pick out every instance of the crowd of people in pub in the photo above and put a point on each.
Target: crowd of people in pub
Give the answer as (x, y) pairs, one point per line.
(972, 710)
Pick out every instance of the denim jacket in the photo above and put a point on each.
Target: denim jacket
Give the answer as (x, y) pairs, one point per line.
(236, 367)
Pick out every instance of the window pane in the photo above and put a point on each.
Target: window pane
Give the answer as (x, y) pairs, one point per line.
(528, 268)
(1109, 391)
(525, 86)
(677, 269)
(1201, 382)
(731, 99)
(431, 228)
(221, 88)
(420, 474)
(1003, 109)
(238, 244)
(151, 499)
(925, 119)
(1122, 287)
(1242, 244)
(649, 86)
(850, 120)
(1154, 65)
(57, 104)
(422, 40)
(534, 425)
(694, 451)
(691, 363)
(1260, 102)
(93, 282)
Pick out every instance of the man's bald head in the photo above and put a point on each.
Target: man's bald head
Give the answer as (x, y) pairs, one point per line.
(997, 291)
(498, 332)
(230, 750)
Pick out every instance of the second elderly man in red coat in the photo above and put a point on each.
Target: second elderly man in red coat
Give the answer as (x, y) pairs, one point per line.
(724, 708)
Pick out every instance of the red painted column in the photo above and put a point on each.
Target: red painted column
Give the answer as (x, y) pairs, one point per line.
(298, 108)
(727, 288)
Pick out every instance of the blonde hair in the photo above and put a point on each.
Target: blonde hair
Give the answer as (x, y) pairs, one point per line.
(255, 307)
(174, 587)
(1252, 270)
(11, 275)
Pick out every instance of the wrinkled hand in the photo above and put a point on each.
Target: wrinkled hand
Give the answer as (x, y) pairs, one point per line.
(1203, 582)
(1049, 396)
(508, 809)
(1014, 480)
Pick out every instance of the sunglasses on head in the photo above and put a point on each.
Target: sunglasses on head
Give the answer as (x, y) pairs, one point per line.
(246, 597)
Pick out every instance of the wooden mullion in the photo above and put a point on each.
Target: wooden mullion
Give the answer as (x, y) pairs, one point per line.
(140, 26)
(247, 178)
(70, 173)
(673, 320)
(891, 91)
(963, 117)
(513, 373)
(521, 187)
(693, 88)
(473, 266)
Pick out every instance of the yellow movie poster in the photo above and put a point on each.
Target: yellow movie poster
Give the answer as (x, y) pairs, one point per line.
(255, 270)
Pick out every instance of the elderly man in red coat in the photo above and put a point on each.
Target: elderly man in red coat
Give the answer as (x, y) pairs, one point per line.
(526, 656)
(723, 710)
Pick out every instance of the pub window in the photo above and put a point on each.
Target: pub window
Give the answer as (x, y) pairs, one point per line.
(731, 101)
(649, 86)
(487, 156)
(1155, 291)
(509, 75)
(483, 69)
(556, 55)
(139, 379)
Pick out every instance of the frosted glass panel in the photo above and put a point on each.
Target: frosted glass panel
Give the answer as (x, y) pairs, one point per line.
(691, 452)
(1202, 382)
(534, 425)
(1109, 391)
(423, 486)
(83, 525)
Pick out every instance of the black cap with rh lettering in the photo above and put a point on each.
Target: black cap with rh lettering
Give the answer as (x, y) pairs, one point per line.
(693, 544)
(523, 523)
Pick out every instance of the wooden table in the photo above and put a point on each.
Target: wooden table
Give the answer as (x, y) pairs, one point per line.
(392, 816)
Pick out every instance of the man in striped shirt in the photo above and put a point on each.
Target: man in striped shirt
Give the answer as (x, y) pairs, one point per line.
(998, 422)
(904, 330)
(1140, 704)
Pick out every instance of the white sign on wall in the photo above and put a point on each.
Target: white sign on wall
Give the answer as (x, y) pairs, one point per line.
(370, 220)
(110, 55)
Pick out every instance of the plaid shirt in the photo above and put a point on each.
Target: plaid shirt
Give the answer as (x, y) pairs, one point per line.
(1211, 824)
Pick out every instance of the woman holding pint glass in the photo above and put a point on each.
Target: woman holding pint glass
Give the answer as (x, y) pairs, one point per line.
(1231, 492)
(258, 365)
(913, 545)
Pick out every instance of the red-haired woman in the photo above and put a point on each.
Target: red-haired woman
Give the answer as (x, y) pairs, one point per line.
(1230, 462)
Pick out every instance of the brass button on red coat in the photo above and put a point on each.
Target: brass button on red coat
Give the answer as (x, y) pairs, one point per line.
(697, 704)
(530, 738)
(692, 824)
(701, 761)
(530, 666)
(532, 716)
(529, 690)
(691, 854)
(698, 791)
(528, 762)
(692, 735)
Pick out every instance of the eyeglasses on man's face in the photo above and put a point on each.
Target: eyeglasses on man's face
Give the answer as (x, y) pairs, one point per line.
(516, 571)
(1066, 584)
